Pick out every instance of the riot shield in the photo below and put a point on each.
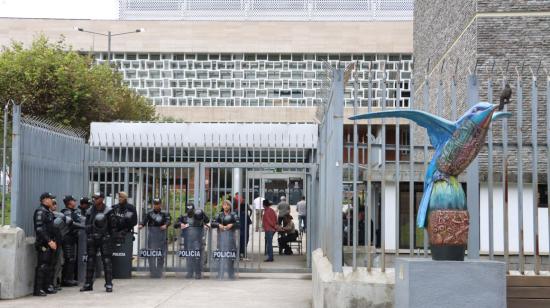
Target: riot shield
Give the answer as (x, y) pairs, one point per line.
(224, 259)
(155, 251)
(82, 256)
(122, 255)
(191, 253)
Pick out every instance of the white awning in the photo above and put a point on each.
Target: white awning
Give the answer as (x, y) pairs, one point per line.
(272, 135)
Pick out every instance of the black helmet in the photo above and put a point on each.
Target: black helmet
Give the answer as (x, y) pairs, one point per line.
(68, 198)
(227, 219)
(46, 195)
(199, 214)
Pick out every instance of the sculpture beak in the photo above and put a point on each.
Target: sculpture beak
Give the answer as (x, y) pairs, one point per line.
(488, 116)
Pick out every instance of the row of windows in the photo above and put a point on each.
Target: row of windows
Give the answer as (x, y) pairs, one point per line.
(256, 57)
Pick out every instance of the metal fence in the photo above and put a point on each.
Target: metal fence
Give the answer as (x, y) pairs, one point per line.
(385, 162)
(45, 158)
(352, 10)
(185, 166)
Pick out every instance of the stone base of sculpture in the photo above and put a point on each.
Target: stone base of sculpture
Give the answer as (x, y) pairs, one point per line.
(436, 284)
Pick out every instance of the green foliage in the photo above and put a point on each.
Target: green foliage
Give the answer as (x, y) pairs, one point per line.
(53, 81)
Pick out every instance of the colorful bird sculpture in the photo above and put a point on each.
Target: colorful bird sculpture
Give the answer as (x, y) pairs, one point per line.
(456, 144)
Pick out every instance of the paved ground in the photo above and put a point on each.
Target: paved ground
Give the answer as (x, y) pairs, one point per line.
(251, 290)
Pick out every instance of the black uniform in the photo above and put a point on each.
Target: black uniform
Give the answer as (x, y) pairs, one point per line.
(70, 246)
(100, 226)
(62, 225)
(227, 242)
(126, 219)
(192, 236)
(44, 230)
(156, 239)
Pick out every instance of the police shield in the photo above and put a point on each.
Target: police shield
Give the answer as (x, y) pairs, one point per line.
(155, 251)
(191, 253)
(82, 256)
(224, 259)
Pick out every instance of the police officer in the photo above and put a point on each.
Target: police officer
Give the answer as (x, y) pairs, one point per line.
(126, 216)
(61, 228)
(100, 226)
(84, 206)
(45, 245)
(227, 222)
(70, 241)
(192, 225)
(157, 221)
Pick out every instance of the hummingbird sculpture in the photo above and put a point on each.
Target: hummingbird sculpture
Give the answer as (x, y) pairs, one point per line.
(456, 145)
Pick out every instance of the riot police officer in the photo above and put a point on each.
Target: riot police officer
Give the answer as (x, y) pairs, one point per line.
(126, 215)
(192, 229)
(227, 222)
(61, 228)
(157, 221)
(45, 245)
(84, 206)
(70, 241)
(100, 226)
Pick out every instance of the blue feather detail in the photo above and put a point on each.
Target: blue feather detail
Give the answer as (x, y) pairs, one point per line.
(439, 129)
(423, 208)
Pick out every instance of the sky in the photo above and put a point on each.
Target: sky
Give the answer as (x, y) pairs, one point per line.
(77, 9)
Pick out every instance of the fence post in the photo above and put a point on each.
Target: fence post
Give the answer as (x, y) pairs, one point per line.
(337, 143)
(472, 193)
(4, 171)
(16, 165)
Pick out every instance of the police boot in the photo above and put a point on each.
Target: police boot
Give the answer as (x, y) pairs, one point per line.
(108, 271)
(69, 283)
(51, 289)
(87, 287)
(39, 293)
(39, 282)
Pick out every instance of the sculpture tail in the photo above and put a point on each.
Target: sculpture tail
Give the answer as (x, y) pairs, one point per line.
(423, 208)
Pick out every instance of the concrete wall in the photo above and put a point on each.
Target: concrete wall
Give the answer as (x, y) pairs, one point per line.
(17, 262)
(220, 36)
(350, 289)
(252, 114)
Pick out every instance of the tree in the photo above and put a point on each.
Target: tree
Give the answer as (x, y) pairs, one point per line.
(51, 80)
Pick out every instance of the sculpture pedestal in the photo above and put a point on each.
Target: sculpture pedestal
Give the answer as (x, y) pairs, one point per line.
(472, 283)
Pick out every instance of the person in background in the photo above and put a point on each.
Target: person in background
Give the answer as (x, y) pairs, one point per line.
(269, 222)
(288, 234)
(257, 204)
(244, 232)
(283, 208)
(301, 207)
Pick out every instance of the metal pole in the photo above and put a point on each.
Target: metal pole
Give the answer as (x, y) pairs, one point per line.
(4, 177)
(534, 132)
(109, 48)
(16, 164)
(355, 171)
(490, 174)
(472, 188)
(519, 136)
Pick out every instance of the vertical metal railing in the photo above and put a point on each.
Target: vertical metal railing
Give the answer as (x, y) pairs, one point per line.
(500, 182)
